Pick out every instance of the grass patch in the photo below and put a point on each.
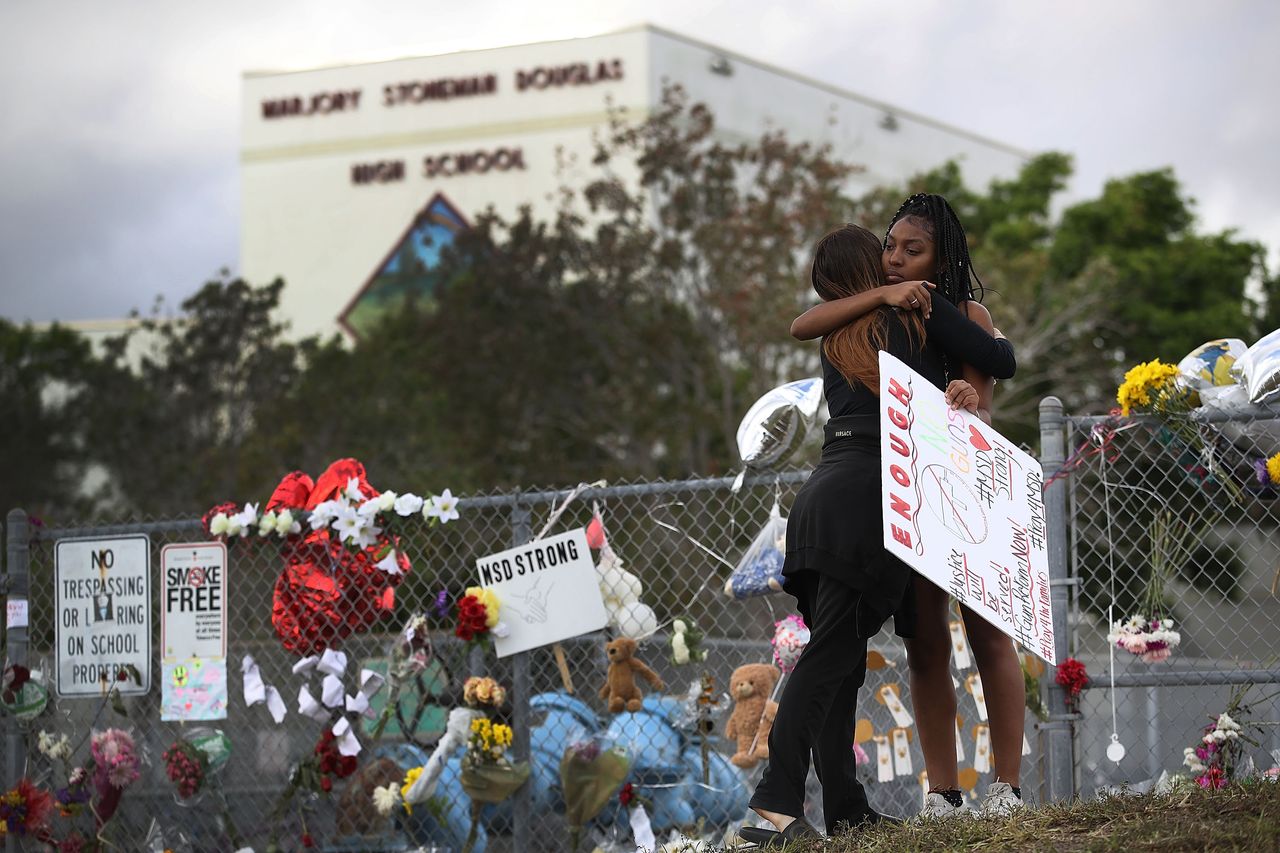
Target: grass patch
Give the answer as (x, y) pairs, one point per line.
(1239, 817)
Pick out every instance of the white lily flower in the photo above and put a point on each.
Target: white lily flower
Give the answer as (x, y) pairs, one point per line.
(219, 523)
(285, 524)
(407, 504)
(500, 630)
(324, 513)
(679, 627)
(352, 491)
(444, 507)
(386, 500)
(367, 533)
(55, 747)
(267, 523)
(386, 798)
(391, 566)
(347, 523)
(369, 508)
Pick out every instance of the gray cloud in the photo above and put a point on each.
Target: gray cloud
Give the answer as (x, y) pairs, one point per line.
(118, 151)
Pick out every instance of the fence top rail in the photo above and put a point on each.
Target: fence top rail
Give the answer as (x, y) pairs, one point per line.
(508, 499)
(1204, 415)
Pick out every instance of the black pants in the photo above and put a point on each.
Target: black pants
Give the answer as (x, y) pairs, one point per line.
(818, 710)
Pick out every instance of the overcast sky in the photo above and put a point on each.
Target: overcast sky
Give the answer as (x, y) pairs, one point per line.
(119, 136)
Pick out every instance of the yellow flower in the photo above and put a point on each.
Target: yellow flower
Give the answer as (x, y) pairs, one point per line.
(1144, 380)
(489, 599)
(1273, 468)
(409, 779)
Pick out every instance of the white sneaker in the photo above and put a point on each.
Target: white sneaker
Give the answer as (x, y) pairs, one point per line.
(936, 807)
(1000, 800)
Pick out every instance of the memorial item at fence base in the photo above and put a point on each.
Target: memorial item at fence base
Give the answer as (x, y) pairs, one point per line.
(638, 816)
(25, 810)
(759, 572)
(750, 687)
(776, 424)
(1259, 369)
(193, 760)
(457, 730)
(591, 770)
(1216, 759)
(620, 690)
(116, 767)
(356, 813)
(488, 776)
(686, 642)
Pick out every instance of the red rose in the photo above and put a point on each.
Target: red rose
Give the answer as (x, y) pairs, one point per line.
(627, 794)
(307, 840)
(1071, 677)
(326, 784)
(347, 766)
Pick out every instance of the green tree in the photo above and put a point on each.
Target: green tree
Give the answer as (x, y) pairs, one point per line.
(1116, 280)
(175, 413)
(42, 456)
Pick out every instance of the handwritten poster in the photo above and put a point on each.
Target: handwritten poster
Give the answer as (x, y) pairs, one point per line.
(964, 507)
(102, 598)
(547, 591)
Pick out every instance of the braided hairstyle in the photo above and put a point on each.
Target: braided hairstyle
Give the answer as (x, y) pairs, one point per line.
(956, 275)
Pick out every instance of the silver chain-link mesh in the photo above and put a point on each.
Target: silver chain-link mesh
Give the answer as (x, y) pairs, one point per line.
(1215, 523)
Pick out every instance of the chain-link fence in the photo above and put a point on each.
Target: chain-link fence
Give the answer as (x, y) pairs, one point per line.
(679, 538)
(1169, 515)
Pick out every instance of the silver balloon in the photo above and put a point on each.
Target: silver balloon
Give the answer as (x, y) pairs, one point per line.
(1260, 369)
(776, 425)
(1211, 364)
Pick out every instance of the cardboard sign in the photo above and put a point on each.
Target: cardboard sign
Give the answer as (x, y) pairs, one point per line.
(964, 507)
(193, 601)
(547, 591)
(102, 602)
(193, 689)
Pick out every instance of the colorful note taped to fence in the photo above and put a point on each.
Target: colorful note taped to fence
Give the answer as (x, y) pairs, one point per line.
(193, 689)
(964, 507)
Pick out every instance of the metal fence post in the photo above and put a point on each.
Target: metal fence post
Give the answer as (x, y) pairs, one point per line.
(522, 816)
(1059, 731)
(13, 584)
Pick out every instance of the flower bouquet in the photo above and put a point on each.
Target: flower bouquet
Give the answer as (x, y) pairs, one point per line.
(590, 772)
(187, 767)
(488, 776)
(1153, 388)
(1071, 677)
(116, 767)
(1149, 637)
(1149, 633)
(25, 810)
(478, 615)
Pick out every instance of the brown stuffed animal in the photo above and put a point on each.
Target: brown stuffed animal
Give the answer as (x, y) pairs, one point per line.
(620, 688)
(750, 687)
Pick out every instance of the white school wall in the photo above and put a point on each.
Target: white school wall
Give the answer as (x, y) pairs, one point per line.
(304, 218)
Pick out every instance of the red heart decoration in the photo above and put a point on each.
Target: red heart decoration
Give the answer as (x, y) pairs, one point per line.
(976, 439)
(327, 592)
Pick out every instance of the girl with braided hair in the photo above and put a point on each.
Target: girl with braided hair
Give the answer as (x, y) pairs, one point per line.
(925, 248)
(845, 583)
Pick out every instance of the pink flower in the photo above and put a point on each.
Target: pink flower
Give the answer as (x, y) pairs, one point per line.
(1157, 655)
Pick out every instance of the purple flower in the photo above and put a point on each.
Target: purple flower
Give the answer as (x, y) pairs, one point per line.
(441, 605)
(1260, 470)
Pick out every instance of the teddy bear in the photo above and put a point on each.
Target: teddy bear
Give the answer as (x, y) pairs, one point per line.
(750, 687)
(620, 686)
